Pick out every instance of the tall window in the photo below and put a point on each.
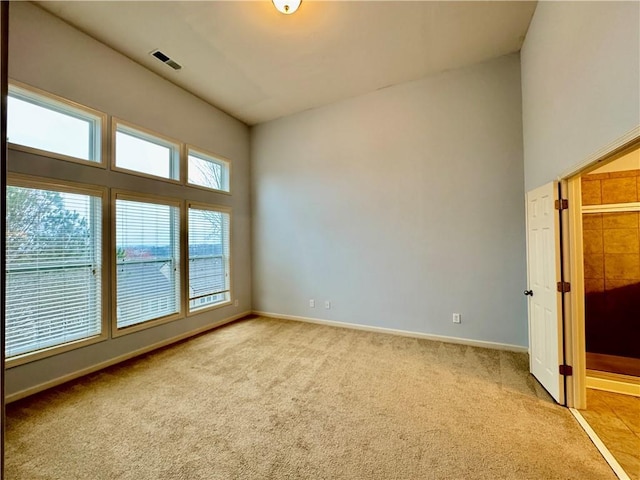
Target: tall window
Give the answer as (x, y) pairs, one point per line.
(209, 279)
(207, 171)
(145, 153)
(147, 260)
(41, 122)
(54, 268)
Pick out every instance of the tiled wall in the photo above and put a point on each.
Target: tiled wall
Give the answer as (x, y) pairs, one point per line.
(611, 250)
(611, 187)
(612, 265)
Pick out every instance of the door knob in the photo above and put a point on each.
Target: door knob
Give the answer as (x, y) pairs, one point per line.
(529, 292)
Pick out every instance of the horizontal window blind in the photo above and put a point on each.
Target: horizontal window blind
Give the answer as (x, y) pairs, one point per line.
(209, 279)
(54, 268)
(147, 261)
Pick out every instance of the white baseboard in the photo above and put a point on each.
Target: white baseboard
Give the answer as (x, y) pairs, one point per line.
(402, 333)
(613, 463)
(615, 386)
(127, 356)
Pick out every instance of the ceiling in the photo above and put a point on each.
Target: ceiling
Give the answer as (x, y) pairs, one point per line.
(258, 64)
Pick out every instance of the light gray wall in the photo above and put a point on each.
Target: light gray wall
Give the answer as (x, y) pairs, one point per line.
(400, 207)
(49, 54)
(580, 83)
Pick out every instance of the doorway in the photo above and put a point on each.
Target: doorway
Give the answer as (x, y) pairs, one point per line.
(610, 209)
(605, 307)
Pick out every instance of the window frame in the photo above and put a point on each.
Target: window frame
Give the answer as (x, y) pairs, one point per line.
(216, 208)
(215, 158)
(29, 181)
(117, 194)
(150, 136)
(59, 104)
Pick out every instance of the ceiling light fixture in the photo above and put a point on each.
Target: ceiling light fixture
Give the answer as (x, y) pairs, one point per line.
(287, 6)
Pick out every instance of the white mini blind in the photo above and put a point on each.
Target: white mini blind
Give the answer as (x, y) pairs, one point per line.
(147, 261)
(54, 269)
(209, 278)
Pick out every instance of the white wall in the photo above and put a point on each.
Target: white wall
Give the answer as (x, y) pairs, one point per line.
(49, 54)
(580, 83)
(400, 207)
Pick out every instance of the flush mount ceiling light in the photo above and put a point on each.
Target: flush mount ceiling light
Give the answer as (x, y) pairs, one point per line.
(287, 6)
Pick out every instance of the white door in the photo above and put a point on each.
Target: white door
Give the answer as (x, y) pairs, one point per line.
(545, 302)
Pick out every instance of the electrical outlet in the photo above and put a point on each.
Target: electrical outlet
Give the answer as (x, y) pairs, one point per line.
(456, 318)
(327, 304)
(236, 303)
(312, 303)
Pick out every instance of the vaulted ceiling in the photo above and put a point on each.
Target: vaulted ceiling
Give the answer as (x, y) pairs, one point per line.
(258, 64)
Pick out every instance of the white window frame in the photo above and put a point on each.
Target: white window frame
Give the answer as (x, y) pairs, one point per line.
(117, 331)
(58, 104)
(229, 262)
(201, 154)
(150, 136)
(27, 181)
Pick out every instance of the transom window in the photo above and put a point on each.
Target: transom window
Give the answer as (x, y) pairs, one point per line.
(145, 153)
(53, 125)
(209, 276)
(147, 260)
(207, 171)
(54, 268)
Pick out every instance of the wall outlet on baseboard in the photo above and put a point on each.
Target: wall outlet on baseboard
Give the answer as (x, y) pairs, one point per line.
(457, 318)
(327, 304)
(312, 303)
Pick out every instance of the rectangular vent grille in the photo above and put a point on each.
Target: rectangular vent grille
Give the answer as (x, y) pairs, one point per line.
(166, 60)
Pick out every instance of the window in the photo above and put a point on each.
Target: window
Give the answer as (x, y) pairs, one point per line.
(54, 267)
(145, 153)
(55, 126)
(209, 279)
(207, 171)
(147, 260)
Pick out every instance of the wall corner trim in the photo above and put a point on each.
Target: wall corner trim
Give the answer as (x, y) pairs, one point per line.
(401, 333)
(121, 358)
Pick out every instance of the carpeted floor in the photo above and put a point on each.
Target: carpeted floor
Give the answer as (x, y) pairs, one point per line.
(275, 399)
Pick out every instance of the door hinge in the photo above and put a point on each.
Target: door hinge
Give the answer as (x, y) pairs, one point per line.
(562, 204)
(564, 287)
(566, 370)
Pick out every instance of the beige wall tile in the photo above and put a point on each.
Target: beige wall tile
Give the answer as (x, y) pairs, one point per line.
(620, 240)
(593, 242)
(619, 190)
(591, 193)
(611, 284)
(591, 221)
(624, 173)
(594, 266)
(597, 176)
(620, 220)
(618, 266)
(593, 285)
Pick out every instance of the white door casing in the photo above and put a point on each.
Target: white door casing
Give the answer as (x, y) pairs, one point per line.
(545, 302)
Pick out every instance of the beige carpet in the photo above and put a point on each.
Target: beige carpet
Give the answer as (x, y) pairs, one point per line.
(273, 399)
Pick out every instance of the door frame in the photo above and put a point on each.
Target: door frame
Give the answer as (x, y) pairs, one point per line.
(572, 259)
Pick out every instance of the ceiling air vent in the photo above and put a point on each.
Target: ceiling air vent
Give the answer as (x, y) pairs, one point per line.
(166, 60)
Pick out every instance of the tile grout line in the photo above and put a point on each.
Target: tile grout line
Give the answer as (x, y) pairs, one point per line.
(615, 413)
(604, 451)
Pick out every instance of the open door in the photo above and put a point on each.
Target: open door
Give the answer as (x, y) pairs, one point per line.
(544, 297)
